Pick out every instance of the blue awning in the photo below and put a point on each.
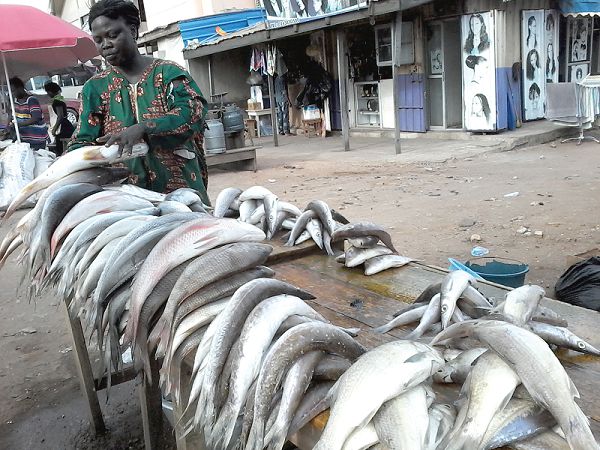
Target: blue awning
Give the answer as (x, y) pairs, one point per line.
(580, 7)
(204, 29)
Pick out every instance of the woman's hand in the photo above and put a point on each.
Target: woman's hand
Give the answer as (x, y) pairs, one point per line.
(125, 139)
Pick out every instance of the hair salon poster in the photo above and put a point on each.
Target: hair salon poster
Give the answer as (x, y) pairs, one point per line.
(551, 46)
(534, 73)
(284, 12)
(479, 71)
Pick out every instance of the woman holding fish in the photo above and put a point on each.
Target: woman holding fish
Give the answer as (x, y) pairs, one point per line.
(141, 98)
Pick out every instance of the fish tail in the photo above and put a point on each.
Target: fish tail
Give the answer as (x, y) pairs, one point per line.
(457, 330)
(578, 433)
(223, 429)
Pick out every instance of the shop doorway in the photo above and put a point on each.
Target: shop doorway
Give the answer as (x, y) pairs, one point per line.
(444, 74)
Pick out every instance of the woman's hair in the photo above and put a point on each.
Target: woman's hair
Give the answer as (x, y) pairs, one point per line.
(549, 22)
(550, 63)
(529, 23)
(484, 40)
(51, 86)
(295, 7)
(533, 90)
(579, 73)
(16, 82)
(311, 7)
(473, 60)
(485, 106)
(115, 9)
(530, 68)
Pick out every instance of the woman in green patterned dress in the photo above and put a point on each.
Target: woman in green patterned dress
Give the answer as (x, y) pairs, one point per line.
(139, 98)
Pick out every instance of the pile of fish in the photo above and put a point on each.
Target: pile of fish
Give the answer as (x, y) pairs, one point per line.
(362, 247)
(259, 206)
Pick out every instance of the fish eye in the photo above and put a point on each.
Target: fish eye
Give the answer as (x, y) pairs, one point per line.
(581, 344)
(444, 308)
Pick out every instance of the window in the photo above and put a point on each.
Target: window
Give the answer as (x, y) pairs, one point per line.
(85, 23)
(384, 44)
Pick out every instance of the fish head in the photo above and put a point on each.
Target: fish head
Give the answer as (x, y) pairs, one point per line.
(446, 311)
(456, 330)
(443, 374)
(582, 345)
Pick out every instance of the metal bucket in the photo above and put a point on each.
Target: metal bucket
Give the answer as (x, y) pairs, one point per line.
(233, 120)
(214, 137)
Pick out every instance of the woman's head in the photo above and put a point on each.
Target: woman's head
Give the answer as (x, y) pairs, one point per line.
(52, 89)
(578, 74)
(550, 22)
(476, 24)
(532, 24)
(550, 51)
(533, 63)
(114, 25)
(534, 95)
(17, 86)
(480, 106)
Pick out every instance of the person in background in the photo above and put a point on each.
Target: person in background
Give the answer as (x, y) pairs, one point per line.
(139, 98)
(63, 128)
(32, 128)
(283, 104)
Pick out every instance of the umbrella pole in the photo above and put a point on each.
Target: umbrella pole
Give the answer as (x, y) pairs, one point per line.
(12, 102)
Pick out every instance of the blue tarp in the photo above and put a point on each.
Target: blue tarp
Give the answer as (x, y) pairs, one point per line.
(580, 6)
(203, 29)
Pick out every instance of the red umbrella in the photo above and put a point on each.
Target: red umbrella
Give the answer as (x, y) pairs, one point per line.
(34, 42)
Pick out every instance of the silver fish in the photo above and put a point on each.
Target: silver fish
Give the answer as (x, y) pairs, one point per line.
(562, 337)
(356, 256)
(224, 200)
(363, 229)
(364, 242)
(488, 389)
(378, 376)
(295, 385)
(258, 332)
(315, 229)
(402, 422)
(289, 208)
(441, 420)
(300, 226)
(137, 191)
(409, 315)
(246, 209)
(314, 402)
(530, 356)
(270, 203)
(304, 236)
(384, 262)
(519, 420)
(293, 343)
(430, 316)
(331, 367)
(254, 193)
(170, 207)
(548, 440)
(521, 303)
(457, 369)
(453, 286)
(362, 438)
(323, 213)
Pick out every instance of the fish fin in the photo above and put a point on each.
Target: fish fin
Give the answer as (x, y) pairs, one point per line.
(223, 429)
(573, 388)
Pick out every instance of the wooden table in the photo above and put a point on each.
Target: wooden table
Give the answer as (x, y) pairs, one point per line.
(348, 298)
(256, 113)
(239, 158)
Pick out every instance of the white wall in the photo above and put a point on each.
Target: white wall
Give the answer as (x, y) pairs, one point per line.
(73, 10)
(171, 48)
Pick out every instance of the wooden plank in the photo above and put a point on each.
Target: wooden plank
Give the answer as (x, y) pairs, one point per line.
(85, 373)
(396, 58)
(341, 44)
(127, 374)
(151, 405)
(273, 113)
(233, 156)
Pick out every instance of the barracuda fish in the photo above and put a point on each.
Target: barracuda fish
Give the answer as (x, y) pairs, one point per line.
(74, 161)
(380, 375)
(224, 200)
(488, 389)
(293, 343)
(530, 356)
(452, 288)
(363, 229)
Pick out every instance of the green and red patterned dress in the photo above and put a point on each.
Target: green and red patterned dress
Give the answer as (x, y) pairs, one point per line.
(168, 101)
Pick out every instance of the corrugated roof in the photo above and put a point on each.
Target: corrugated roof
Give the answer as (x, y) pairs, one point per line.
(580, 7)
(260, 26)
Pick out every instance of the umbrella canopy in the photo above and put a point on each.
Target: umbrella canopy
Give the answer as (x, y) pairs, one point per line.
(34, 42)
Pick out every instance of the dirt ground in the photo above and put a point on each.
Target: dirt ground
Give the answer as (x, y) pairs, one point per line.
(432, 210)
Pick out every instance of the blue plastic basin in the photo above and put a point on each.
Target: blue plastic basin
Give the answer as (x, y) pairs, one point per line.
(508, 272)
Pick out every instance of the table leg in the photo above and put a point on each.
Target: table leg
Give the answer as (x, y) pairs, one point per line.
(151, 405)
(86, 375)
(258, 125)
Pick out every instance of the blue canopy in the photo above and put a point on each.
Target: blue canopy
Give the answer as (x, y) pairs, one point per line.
(583, 7)
(203, 29)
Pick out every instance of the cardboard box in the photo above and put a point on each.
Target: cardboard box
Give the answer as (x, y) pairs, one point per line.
(573, 259)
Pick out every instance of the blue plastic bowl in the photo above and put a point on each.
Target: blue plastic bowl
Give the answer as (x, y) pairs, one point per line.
(508, 272)
(457, 265)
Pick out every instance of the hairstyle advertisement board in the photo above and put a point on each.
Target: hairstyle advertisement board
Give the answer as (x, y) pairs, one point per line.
(551, 46)
(479, 72)
(285, 12)
(533, 47)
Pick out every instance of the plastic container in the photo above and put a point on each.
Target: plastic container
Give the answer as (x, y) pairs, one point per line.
(457, 265)
(233, 120)
(311, 112)
(508, 272)
(214, 137)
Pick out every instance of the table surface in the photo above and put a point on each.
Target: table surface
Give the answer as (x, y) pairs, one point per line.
(258, 112)
(348, 298)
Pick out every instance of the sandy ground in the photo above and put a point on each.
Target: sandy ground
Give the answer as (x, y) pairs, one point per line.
(432, 207)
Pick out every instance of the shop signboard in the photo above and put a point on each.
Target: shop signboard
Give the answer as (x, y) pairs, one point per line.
(285, 12)
(533, 52)
(479, 71)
